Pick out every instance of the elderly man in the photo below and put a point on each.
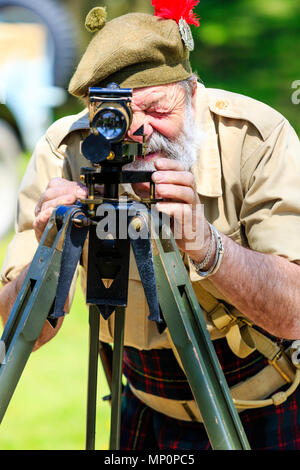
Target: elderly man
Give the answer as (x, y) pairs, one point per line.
(241, 160)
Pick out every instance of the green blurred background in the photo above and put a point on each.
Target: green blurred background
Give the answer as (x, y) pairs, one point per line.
(245, 46)
(250, 47)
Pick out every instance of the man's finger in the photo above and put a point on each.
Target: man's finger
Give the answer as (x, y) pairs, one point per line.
(168, 164)
(182, 178)
(188, 223)
(41, 221)
(58, 187)
(173, 209)
(177, 193)
(55, 182)
(66, 199)
(53, 193)
(61, 195)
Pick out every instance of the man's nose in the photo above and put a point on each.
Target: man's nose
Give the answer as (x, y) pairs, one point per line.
(138, 120)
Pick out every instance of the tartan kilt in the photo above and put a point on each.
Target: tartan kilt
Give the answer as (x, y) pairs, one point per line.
(157, 372)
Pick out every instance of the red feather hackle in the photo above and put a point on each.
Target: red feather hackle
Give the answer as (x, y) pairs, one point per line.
(176, 9)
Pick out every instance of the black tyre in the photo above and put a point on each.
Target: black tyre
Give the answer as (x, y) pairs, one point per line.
(60, 25)
(10, 150)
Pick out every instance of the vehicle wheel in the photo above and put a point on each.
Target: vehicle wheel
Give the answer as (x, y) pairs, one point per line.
(10, 150)
(61, 26)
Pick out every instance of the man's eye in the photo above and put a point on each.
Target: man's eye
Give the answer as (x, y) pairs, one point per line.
(157, 114)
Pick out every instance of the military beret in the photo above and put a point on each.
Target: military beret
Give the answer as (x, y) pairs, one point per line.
(134, 50)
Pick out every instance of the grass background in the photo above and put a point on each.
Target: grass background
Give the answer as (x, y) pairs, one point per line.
(48, 408)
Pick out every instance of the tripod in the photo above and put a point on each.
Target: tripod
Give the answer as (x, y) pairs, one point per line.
(169, 293)
(179, 308)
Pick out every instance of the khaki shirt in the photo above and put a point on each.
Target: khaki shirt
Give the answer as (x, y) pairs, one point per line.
(247, 176)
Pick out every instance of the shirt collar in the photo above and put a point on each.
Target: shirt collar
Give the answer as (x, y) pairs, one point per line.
(207, 169)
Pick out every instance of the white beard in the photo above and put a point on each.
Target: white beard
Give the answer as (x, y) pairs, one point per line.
(184, 148)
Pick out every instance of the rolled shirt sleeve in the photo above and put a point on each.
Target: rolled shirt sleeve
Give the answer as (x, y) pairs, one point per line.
(270, 212)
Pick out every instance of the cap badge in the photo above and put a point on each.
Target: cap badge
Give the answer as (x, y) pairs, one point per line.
(186, 34)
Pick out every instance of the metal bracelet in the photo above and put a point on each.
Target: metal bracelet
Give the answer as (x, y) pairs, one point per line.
(209, 252)
(218, 256)
(219, 252)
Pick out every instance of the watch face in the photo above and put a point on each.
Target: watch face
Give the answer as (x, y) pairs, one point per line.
(186, 34)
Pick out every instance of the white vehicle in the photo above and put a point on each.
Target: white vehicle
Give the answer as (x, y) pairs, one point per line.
(37, 56)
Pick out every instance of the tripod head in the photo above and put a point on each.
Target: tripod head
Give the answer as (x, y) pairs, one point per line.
(107, 148)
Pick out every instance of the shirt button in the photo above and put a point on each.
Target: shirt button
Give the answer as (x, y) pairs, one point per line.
(221, 104)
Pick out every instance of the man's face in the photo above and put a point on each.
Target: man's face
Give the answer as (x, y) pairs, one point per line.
(159, 108)
(163, 112)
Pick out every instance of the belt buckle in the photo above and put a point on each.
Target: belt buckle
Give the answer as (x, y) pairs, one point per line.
(274, 362)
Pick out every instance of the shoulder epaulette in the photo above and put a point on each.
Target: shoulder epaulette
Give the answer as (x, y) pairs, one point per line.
(236, 106)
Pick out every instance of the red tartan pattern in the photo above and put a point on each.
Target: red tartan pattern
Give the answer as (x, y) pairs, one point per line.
(267, 428)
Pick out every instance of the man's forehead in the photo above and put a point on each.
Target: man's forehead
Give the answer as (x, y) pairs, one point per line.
(150, 96)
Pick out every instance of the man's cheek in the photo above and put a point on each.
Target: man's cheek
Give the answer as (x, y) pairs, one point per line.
(168, 128)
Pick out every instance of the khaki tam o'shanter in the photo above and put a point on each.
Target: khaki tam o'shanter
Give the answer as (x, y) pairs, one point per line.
(135, 50)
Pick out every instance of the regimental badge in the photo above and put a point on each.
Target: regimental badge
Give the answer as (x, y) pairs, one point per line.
(186, 34)
(181, 11)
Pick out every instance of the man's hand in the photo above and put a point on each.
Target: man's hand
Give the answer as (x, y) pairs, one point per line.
(181, 202)
(58, 192)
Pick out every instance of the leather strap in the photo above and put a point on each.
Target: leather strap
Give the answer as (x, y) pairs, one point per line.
(248, 394)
